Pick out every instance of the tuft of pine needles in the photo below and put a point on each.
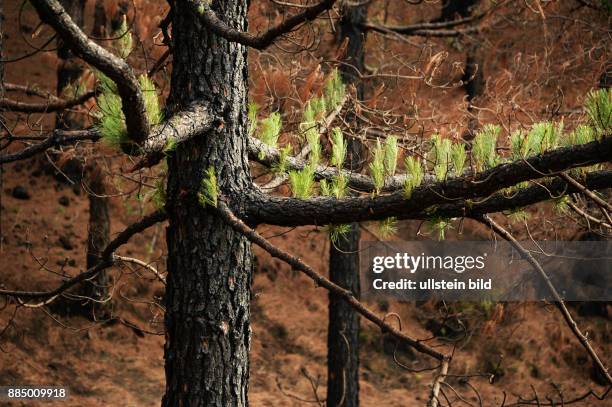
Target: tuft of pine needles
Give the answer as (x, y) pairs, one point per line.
(377, 167)
(414, 175)
(334, 90)
(339, 148)
(124, 43)
(598, 105)
(209, 190)
(391, 153)
(302, 182)
(387, 227)
(484, 153)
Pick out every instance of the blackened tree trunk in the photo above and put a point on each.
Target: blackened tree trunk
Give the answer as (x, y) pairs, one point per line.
(99, 23)
(98, 237)
(343, 330)
(91, 299)
(209, 264)
(69, 69)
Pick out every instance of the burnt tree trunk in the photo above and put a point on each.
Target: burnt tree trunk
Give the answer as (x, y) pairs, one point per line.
(209, 264)
(343, 329)
(69, 70)
(98, 237)
(99, 23)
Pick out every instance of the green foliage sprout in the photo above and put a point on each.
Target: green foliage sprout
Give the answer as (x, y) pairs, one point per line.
(598, 105)
(253, 109)
(111, 120)
(302, 182)
(338, 231)
(458, 158)
(387, 227)
(270, 129)
(414, 175)
(209, 190)
(124, 44)
(377, 167)
(484, 153)
(391, 153)
(339, 148)
(334, 90)
(439, 226)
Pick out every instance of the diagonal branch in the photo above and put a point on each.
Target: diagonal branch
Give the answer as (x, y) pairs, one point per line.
(486, 220)
(320, 280)
(52, 13)
(264, 40)
(107, 259)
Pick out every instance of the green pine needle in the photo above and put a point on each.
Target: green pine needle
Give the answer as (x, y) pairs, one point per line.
(253, 109)
(336, 232)
(484, 153)
(598, 105)
(209, 190)
(377, 167)
(439, 226)
(458, 158)
(391, 153)
(334, 91)
(387, 227)
(124, 44)
(414, 175)
(339, 148)
(302, 182)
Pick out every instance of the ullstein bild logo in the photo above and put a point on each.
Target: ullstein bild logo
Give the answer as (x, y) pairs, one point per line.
(486, 270)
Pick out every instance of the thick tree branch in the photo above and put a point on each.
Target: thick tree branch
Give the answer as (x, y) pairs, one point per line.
(194, 121)
(264, 40)
(106, 260)
(52, 13)
(558, 300)
(50, 106)
(324, 210)
(320, 280)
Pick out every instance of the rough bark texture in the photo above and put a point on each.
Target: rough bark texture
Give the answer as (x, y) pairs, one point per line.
(343, 330)
(209, 264)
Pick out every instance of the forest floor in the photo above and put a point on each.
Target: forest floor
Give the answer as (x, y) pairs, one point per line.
(120, 363)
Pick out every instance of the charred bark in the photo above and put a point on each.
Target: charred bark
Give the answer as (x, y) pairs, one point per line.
(69, 69)
(343, 329)
(209, 264)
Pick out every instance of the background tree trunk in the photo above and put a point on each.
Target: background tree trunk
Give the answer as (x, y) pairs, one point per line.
(91, 294)
(209, 264)
(69, 70)
(343, 329)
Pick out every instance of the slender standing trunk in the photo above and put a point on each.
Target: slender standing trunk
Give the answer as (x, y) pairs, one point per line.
(98, 237)
(209, 264)
(99, 24)
(343, 330)
(68, 70)
(91, 294)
